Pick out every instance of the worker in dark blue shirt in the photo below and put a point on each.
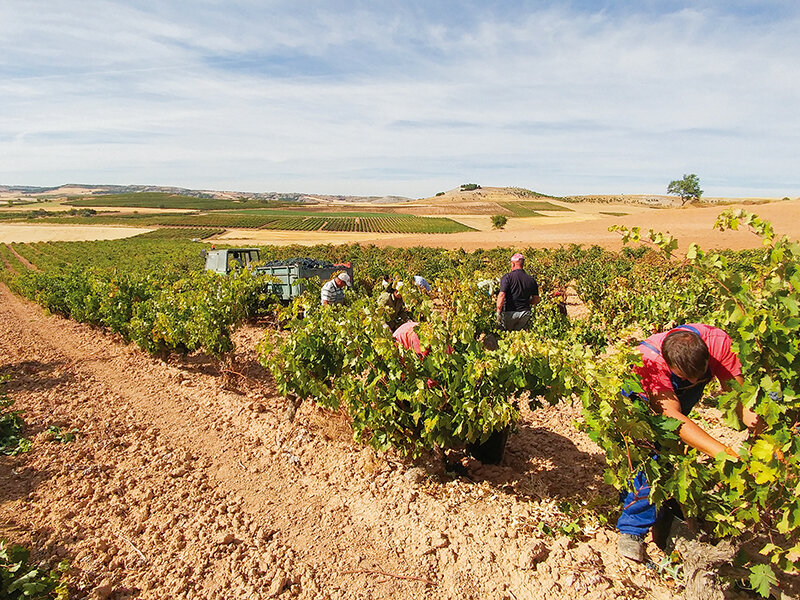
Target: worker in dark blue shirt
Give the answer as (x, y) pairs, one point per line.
(518, 293)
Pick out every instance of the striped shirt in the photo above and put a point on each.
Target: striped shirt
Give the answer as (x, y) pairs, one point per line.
(332, 293)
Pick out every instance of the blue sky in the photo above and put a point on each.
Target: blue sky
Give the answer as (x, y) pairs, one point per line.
(406, 98)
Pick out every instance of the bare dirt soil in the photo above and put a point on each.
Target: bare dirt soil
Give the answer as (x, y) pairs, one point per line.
(588, 225)
(186, 484)
(10, 233)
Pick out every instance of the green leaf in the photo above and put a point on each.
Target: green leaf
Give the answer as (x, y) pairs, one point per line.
(762, 578)
(762, 474)
(762, 450)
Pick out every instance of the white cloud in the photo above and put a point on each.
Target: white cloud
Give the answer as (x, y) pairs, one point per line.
(274, 97)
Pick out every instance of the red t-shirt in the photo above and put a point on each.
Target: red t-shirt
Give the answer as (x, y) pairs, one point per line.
(408, 338)
(655, 373)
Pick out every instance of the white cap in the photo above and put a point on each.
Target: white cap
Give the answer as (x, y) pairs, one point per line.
(344, 277)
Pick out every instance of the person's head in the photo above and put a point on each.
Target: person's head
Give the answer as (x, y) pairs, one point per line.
(517, 261)
(342, 279)
(686, 354)
(386, 281)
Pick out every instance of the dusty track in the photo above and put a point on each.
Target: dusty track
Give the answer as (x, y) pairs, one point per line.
(25, 262)
(177, 488)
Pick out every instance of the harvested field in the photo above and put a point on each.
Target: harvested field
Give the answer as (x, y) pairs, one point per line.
(10, 233)
(588, 224)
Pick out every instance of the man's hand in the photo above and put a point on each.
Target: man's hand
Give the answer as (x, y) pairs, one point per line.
(499, 318)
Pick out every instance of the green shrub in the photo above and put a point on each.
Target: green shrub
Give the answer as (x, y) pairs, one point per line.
(499, 221)
(460, 391)
(19, 580)
(11, 424)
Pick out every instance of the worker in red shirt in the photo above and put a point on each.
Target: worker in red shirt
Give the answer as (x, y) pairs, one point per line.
(408, 338)
(676, 366)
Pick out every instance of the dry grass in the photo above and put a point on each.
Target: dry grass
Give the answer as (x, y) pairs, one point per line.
(13, 232)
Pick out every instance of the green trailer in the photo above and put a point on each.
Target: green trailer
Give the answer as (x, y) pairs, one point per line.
(287, 274)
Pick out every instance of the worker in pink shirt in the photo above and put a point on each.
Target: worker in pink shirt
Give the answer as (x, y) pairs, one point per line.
(676, 367)
(408, 338)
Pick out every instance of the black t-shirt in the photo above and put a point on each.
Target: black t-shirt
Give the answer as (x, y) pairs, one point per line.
(519, 287)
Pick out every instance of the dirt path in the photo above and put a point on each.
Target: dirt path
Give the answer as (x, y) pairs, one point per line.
(178, 488)
(28, 264)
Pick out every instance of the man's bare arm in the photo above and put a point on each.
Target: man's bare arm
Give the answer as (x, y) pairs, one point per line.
(667, 404)
(501, 300)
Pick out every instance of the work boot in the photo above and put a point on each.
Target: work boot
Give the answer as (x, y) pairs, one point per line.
(632, 547)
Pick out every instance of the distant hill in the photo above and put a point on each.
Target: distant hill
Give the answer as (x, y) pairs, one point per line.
(509, 201)
(71, 190)
(646, 199)
(25, 189)
(487, 194)
(466, 199)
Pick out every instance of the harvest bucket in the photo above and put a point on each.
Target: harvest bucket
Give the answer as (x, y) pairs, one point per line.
(491, 451)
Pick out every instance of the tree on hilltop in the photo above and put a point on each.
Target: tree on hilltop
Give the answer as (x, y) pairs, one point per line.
(687, 188)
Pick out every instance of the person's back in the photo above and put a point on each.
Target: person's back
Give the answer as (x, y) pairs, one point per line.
(518, 287)
(408, 338)
(518, 291)
(422, 283)
(394, 302)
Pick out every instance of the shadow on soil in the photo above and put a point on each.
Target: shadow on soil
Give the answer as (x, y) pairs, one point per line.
(17, 479)
(32, 375)
(240, 372)
(539, 463)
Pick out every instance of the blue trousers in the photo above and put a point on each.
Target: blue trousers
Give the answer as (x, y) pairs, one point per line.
(638, 515)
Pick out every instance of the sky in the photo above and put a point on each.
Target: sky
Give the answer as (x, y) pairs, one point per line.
(402, 98)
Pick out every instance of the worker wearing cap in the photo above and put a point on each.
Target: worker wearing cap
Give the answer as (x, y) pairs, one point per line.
(518, 292)
(333, 291)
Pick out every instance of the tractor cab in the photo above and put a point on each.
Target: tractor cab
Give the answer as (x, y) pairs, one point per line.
(230, 260)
